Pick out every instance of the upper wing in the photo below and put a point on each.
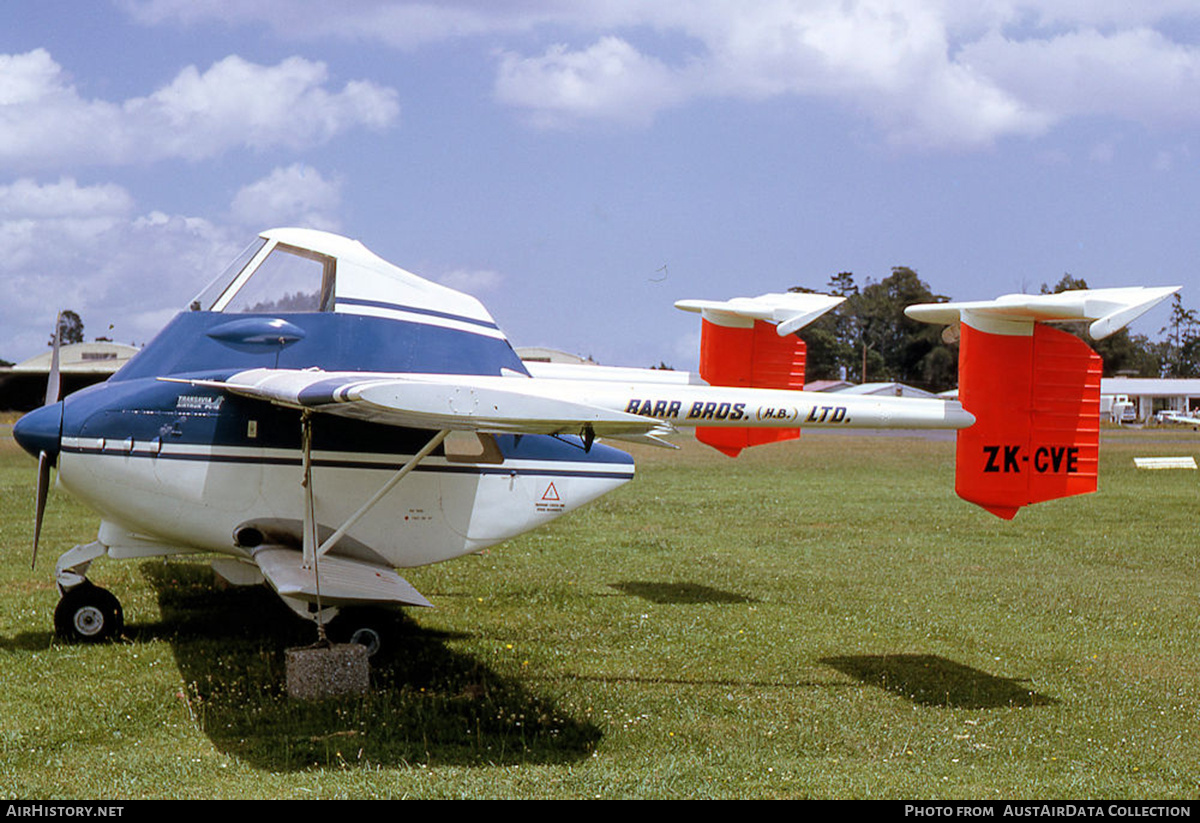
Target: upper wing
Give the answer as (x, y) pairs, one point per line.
(524, 405)
(463, 403)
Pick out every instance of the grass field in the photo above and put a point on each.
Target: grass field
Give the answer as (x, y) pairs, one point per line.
(820, 619)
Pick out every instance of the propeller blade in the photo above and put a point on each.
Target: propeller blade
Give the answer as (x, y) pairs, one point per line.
(45, 461)
(53, 383)
(43, 491)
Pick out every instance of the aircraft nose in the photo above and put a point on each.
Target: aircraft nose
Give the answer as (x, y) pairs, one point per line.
(40, 430)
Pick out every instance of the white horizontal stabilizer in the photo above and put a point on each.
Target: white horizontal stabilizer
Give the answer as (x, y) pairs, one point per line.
(791, 311)
(1109, 309)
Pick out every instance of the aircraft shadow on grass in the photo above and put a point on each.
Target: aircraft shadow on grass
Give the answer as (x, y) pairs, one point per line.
(427, 703)
(929, 680)
(679, 593)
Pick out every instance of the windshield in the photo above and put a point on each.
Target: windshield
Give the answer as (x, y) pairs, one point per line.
(207, 298)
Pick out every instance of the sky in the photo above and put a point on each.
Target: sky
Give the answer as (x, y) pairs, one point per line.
(580, 166)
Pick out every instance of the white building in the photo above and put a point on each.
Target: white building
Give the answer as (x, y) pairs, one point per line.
(887, 390)
(1148, 395)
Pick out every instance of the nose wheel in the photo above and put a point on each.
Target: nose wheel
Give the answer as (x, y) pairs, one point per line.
(88, 614)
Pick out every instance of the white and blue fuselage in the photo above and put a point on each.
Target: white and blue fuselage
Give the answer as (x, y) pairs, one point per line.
(199, 469)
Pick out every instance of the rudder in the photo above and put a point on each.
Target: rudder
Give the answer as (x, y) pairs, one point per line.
(1036, 401)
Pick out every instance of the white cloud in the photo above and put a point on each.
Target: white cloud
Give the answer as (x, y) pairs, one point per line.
(295, 196)
(45, 122)
(1167, 158)
(66, 246)
(64, 199)
(609, 81)
(926, 72)
(86, 248)
(1095, 13)
(399, 24)
(888, 59)
(472, 281)
(27, 78)
(1136, 75)
(1103, 152)
(38, 223)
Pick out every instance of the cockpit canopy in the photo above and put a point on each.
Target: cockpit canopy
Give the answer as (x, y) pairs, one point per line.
(306, 299)
(289, 271)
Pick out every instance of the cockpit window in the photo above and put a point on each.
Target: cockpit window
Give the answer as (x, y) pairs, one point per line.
(205, 300)
(290, 279)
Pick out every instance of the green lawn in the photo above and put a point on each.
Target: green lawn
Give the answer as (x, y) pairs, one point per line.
(818, 619)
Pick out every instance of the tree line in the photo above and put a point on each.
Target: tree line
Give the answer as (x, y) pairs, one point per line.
(868, 338)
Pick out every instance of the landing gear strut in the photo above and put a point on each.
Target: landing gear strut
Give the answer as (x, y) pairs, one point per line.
(88, 614)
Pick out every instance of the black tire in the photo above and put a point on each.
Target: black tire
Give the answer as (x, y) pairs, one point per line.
(88, 614)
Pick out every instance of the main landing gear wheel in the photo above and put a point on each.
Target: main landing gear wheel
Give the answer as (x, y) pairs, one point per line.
(365, 626)
(367, 636)
(88, 614)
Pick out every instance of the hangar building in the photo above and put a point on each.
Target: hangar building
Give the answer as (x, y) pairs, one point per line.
(23, 386)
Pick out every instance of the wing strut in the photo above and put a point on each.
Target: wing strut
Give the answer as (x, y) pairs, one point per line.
(310, 519)
(310, 511)
(310, 540)
(311, 551)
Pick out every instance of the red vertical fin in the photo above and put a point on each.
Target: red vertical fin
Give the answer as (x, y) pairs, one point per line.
(748, 357)
(1036, 400)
